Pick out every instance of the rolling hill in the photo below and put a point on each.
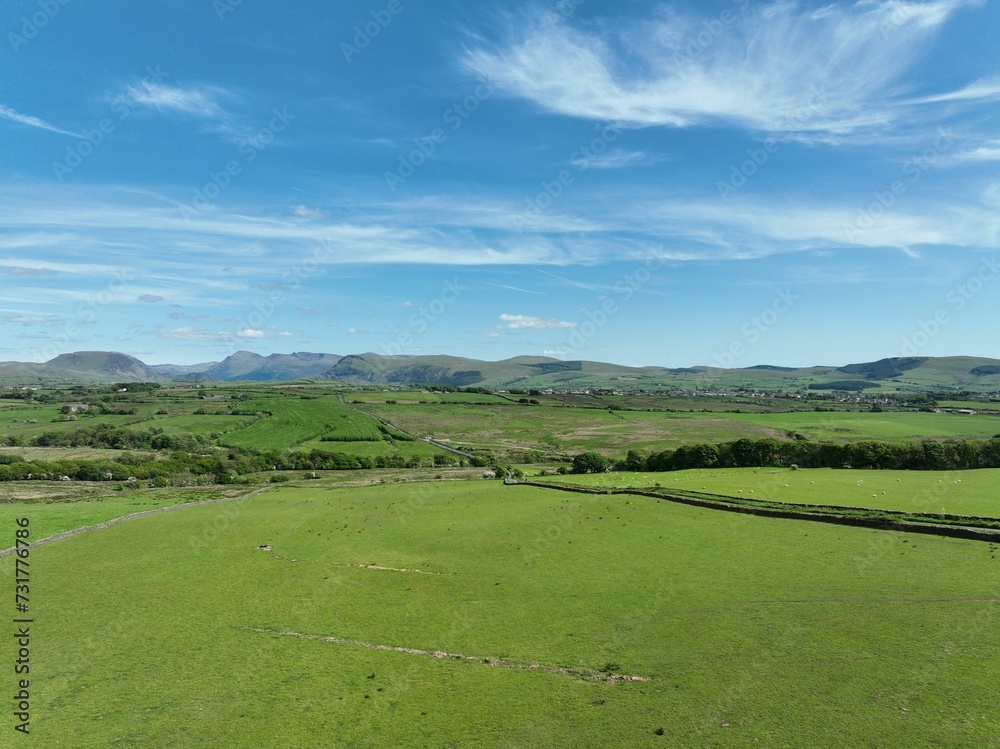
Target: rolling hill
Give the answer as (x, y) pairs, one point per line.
(914, 374)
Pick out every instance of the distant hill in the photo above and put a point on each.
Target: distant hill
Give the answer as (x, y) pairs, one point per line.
(914, 374)
(176, 370)
(885, 369)
(244, 365)
(82, 366)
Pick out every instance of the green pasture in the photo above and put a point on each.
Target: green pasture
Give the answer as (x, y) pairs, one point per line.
(891, 426)
(417, 448)
(954, 492)
(614, 432)
(297, 420)
(68, 453)
(566, 429)
(54, 509)
(416, 397)
(750, 631)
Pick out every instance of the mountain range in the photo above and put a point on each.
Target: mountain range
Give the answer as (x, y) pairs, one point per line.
(907, 374)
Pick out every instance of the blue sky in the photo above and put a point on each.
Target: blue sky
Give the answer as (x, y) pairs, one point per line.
(727, 182)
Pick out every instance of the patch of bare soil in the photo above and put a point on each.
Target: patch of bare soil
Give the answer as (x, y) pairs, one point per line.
(579, 673)
(349, 564)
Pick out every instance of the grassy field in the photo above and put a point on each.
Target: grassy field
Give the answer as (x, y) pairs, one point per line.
(750, 631)
(841, 426)
(416, 397)
(615, 432)
(55, 508)
(565, 429)
(295, 420)
(954, 492)
(407, 449)
(67, 453)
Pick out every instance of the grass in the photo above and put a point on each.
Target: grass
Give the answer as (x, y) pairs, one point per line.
(614, 432)
(845, 426)
(416, 397)
(753, 632)
(407, 449)
(296, 420)
(54, 508)
(68, 453)
(955, 492)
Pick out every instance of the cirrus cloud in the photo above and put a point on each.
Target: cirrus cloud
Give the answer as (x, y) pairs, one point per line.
(529, 322)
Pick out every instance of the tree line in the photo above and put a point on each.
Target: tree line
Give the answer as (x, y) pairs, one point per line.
(925, 455)
(224, 468)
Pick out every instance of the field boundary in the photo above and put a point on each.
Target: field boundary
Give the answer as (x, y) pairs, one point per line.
(133, 516)
(882, 524)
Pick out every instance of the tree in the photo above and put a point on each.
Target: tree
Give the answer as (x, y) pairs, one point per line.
(590, 463)
(635, 461)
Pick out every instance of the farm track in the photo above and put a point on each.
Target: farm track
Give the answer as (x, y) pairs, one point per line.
(133, 516)
(579, 673)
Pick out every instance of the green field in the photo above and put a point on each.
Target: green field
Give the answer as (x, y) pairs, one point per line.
(614, 432)
(844, 426)
(417, 397)
(954, 492)
(295, 420)
(54, 509)
(750, 631)
(407, 449)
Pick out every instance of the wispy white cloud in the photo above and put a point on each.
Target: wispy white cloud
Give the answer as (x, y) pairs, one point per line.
(303, 211)
(529, 322)
(195, 334)
(778, 67)
(622, 159)
(987, 89)
(264, 244)
(16, 270)
(191, 334)
(751, 228)
(7, 113)
(22, 319)
(196, 101)
(989, 151)
(515, 288)
(28, 267)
